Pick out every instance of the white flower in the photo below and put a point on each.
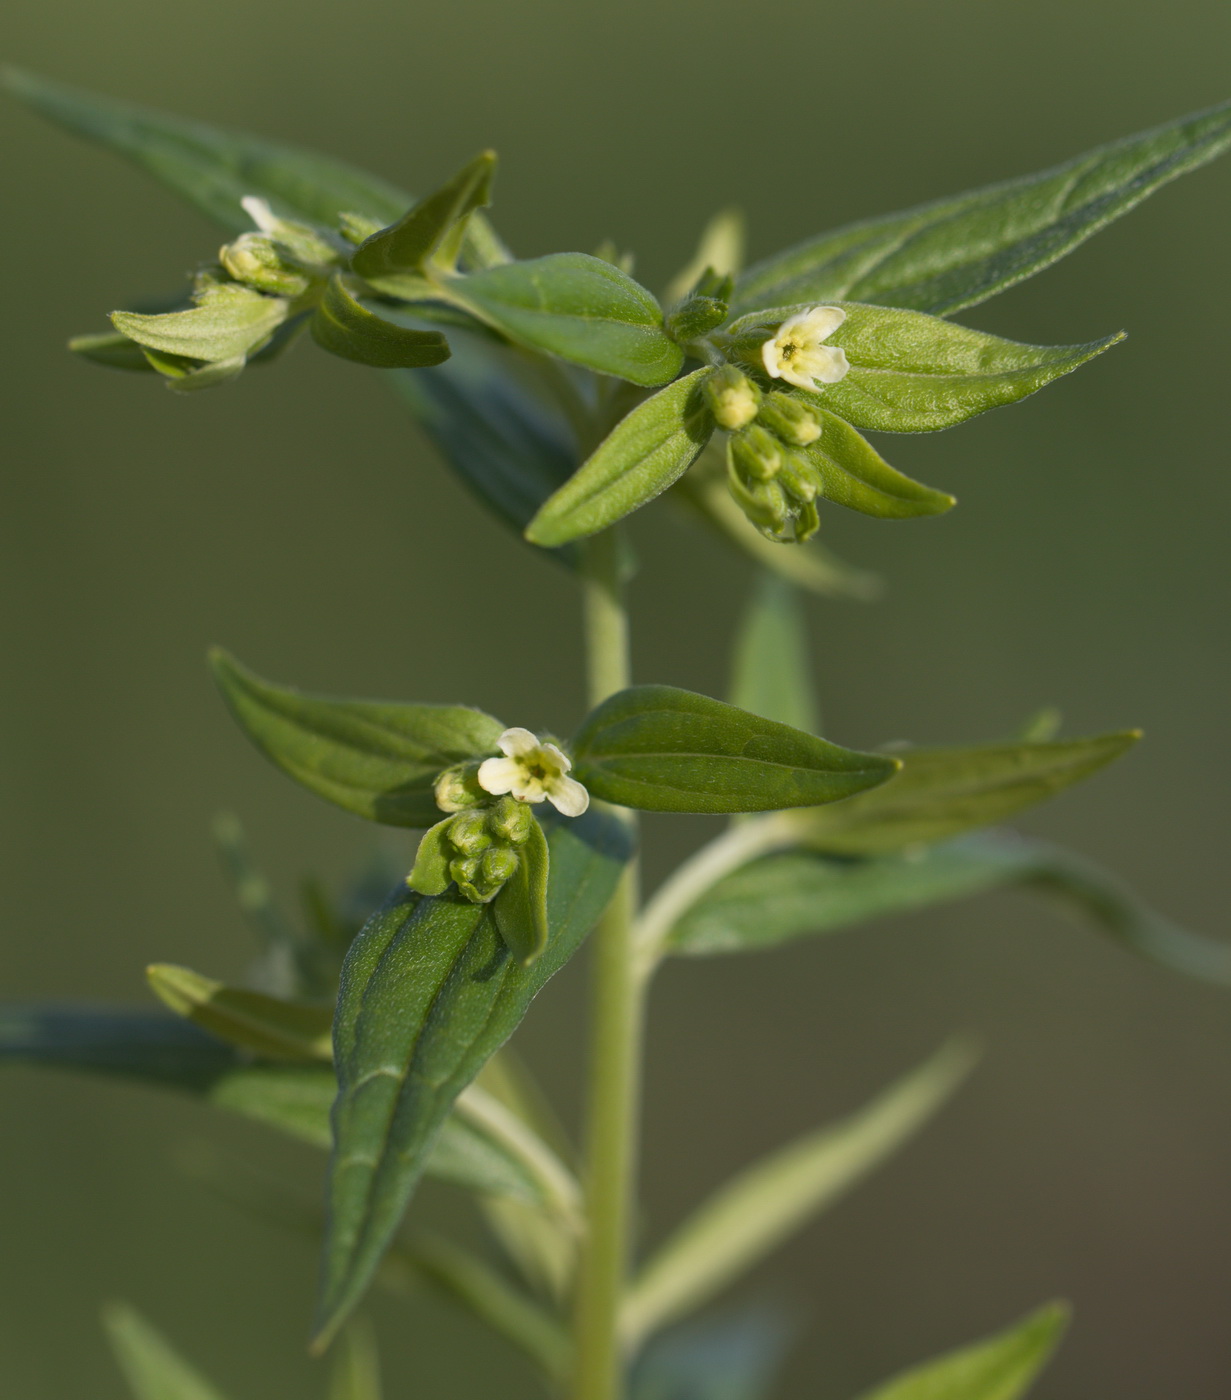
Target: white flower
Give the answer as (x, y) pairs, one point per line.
(532, 771)
(796, 354)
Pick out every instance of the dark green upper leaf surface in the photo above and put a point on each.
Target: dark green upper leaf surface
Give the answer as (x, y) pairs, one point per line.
(215, 169)
(646, 452)
(347, 329)
(429, 992)
(855, 475)
(376, 760)
(668, 750)
(941, 792)
(958, 251)
(579, 308)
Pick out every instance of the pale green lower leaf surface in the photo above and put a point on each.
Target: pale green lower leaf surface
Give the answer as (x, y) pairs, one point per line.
(1001, 1368)
(153, 1369)
(769, 674)
(765, 1204)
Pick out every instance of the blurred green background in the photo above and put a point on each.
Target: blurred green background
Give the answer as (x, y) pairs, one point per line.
(299, 519)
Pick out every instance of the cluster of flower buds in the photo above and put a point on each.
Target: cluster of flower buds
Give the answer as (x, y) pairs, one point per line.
(280, 258)
(773, 481)
(486, 840)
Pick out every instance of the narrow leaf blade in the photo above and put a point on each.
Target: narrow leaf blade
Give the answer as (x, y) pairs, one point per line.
(520, 908)
(409, 244)
(346, 329)
(855, 475)
(770, 669)
(153, 1369)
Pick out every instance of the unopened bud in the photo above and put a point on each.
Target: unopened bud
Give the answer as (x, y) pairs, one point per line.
(458, 788)
(763, 502)
(792, 421)
(799, 478)
(510, 820)
(254, 260)
(498, 865)
(807, 522)
(464, 871)
(757, 454)
(468, 833)
(733, 398)
(692, 318)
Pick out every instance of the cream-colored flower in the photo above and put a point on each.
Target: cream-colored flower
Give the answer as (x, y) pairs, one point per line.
(532, 771)
(796, 354)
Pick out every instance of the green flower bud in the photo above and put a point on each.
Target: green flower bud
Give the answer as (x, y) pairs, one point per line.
(756, 453)
(255, 260)
(733, 398)
(510, 820)
(468, 832)
(787, 418)
(799, 478)
(498, 865)
(356, 227)
(807, 522)
(763, 502)
(692, 318)
(458, 788)
(464, 871)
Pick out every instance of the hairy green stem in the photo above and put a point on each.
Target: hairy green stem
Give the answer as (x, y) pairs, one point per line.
(616, 1037)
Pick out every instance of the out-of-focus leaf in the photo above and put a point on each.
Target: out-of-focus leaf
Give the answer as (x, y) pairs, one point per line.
(720, 250)
(959, 251)
(1001, 1368)
(153, 1369)
(376, 760)
(668, 750)
(766, 1203)
(645, 453)
(941, 792)
(770, 671)
(429, 993)
(345, 328)
(417, 237)
(728, 1357)
(855, 475)
(579, 308)
(112, 349)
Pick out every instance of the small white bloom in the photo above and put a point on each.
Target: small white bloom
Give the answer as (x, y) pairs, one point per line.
(258, 210)
(796, 354)
(532, 771)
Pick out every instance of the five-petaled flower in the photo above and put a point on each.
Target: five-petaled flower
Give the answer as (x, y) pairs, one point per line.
(532, 771)
(795, 352)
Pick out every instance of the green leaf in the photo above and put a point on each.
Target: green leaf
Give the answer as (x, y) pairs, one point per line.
(668, 750)
(520, 908)
(941, 792)
(854, 474)
(1001, 1368)
(768, 1202)
(430, 874)
(151, 1366)
(912, 373)
(211, 168)
(578, 308)
(346, 329)
(727, 1357)
(376, 760)
(770, 675)
(429, 993)
(232, 322)
(112, 349)
(959, 251)
(491, 421)
(647, 451)
(720, 250)
(417, 237)
(268, 1026)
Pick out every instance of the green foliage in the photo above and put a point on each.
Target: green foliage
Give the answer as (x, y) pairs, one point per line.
(429, 993)
(666, 750)
(578, 308)
(854, 474)
(520, 909)
(769, 675)
(956, 252)
(345, 328)
(378, 761)
(727, 1357)
(645, 453)
(1001, 1368)
(151, 1366)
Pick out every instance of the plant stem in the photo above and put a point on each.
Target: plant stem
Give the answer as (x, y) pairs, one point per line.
(616, 1036)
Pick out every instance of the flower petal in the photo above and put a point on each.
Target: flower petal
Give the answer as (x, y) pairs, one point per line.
(499, 775)
(516, 742)
(832, 365)
(821, 321)
(558, 757)
(799, 376)
(568, 797)
(771, 359)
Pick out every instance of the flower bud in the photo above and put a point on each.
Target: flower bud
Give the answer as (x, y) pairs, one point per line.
(756, 453)
(692, 318)
(763, 502)
(498, 865)
(255, 260)
(510, 820)
(800, 479)
(468, 832)
(464, 871)
(733, 398)
(458, 788)
(787, 418)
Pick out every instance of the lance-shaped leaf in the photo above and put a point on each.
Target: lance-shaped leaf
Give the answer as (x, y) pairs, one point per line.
(959, 251)
(769, 675)
(941, 792)
(646, 452)
(153, 1368)
(231, 322)
(434, 226)
(578, 308)
(495, 427)
(376, 760)
(731, 1356)
(765, 1204)
(913, 373)
(668, 750)
(1001, 1368)
(268, 1026)
(520, 909)
(112, 349)
(854, 474)
(345, 328)
(429, 993)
